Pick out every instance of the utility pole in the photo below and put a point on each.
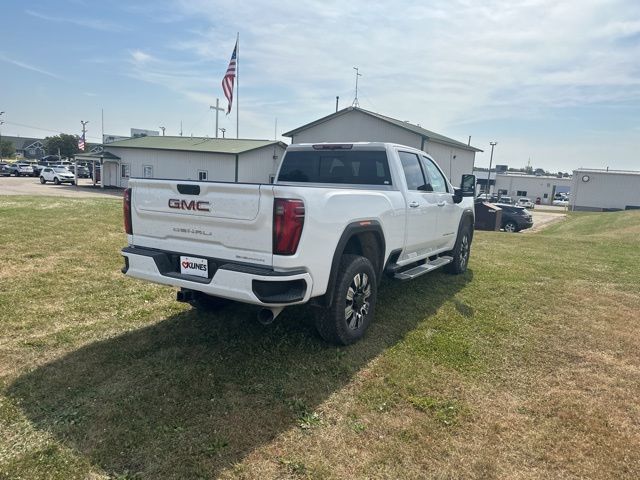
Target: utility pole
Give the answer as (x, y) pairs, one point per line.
(162, 128)
(1, 123)
(84, 132)
(217, 109)
(337, 100)
(222, 129)
(180, 127)
(355, 100)
(493, 144)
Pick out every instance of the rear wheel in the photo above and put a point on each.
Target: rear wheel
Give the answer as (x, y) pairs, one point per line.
(354, 302)
(42, 180)
(461, 250)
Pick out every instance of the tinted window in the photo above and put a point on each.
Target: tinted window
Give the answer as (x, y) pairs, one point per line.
(357, 167)
(436, 179)
(412, 171)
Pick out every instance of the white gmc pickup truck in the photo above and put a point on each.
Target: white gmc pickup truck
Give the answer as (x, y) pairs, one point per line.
(337, 218)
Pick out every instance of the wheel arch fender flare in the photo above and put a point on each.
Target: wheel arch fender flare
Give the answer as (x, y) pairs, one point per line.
(352, 230)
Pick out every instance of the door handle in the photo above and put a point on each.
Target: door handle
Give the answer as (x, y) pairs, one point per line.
(414, 204)
(441, 204)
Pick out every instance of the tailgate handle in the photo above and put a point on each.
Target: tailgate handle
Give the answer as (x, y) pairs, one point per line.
(187, 189)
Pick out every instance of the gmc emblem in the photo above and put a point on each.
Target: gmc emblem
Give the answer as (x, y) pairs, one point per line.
(200, 206)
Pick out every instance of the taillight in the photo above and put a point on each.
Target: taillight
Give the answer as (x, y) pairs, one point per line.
(126, 209)
(288, 220)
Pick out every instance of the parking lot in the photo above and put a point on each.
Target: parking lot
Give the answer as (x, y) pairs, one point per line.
(32, 186)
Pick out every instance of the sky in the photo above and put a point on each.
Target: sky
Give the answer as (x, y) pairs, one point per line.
(554, 83)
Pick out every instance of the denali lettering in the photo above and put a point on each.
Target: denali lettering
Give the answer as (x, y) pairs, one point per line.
(199, 205)
(192, 231)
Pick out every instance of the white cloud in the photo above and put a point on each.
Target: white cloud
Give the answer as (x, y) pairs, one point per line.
(138, 56)
(92, 23)
(28, 66)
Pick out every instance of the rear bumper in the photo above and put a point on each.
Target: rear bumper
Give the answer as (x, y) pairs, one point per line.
(241, 282)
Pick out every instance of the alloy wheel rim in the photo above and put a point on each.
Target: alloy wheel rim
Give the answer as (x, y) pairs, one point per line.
(357, 301)
(510, 227)
(464, 251)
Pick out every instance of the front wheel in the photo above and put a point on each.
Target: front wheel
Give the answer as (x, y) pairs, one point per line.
(56, 180)
(354, 302)
(42, 180)
(461, 250)
(510, 227)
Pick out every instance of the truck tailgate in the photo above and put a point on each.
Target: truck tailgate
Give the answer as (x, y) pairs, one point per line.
(231, 221)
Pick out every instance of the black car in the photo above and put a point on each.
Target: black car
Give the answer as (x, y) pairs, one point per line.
(515, 218)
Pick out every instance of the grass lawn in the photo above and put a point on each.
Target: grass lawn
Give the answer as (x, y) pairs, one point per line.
(527, 366)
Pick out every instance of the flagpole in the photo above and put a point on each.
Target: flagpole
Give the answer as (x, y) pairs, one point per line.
(238, 85)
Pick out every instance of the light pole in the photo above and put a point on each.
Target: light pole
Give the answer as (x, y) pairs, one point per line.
(217, 109)
(493, 144)
(162, 128)
(223, 130)
(1, 123)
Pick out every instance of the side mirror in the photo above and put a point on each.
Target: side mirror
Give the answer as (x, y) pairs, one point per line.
(467, 188)
(468, 185)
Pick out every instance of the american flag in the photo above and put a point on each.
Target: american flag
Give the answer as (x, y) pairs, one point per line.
(81, 144)
(229, 77)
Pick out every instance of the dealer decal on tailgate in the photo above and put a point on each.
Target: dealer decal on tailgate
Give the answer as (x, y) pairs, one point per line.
(194, 266)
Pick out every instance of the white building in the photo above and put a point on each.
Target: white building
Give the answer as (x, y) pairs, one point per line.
(531, 186)
(605, 190)
(188, 158)
(354, 124)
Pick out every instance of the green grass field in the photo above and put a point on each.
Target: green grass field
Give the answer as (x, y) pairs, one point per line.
(527, 366)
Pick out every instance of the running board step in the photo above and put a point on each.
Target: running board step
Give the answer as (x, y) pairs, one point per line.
(422, 269)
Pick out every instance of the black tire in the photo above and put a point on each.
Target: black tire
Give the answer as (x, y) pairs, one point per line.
(207, 303)
(73, 183)
(510, 227)
(56, 180)
(42, 180)
(356, 286)
(461, 250)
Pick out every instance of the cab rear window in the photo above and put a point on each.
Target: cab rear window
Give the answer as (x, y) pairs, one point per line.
(356, 167)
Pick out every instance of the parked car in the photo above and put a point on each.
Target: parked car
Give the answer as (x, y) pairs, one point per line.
(4, 169)
(515, 218)
(57, 175)
(560, 202)
(505, 199)
(50, 159)
(336, 220)
(20, 169)
(83, 172)
(525, 202)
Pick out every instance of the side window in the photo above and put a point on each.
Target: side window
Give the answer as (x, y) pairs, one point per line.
(124, 170)
(436, 179)
(202, 175)
(147, 171)
(412, 171)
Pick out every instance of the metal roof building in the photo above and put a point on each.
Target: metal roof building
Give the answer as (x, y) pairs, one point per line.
(188, 158)
(605, 190)
(354, 124)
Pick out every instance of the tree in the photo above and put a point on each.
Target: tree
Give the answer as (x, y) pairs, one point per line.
(7, 149)
(68, 145)
(539, 171)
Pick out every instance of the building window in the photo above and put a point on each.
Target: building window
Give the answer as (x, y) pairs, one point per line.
(202, 175)
(546, 195)
(521, 193)
(272, 178)
(147, 171)
(124, 170)
(502, 192)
